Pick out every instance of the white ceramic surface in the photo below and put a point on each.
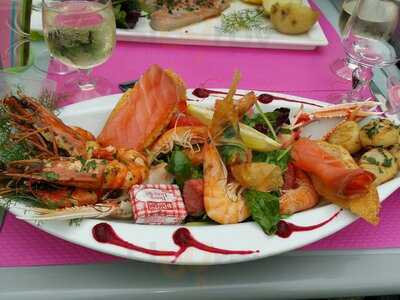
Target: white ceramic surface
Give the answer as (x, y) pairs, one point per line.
(92, 114)
(205, 33)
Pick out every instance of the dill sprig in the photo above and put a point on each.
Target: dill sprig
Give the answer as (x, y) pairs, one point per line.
(13, 198)
(9, 149)
(244, 19)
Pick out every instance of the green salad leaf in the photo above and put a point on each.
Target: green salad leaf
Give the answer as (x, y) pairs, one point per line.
(281, 158)
(181, 167)
(264, 209)
(276, 119)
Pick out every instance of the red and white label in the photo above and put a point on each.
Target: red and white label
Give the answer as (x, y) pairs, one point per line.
(157, 204)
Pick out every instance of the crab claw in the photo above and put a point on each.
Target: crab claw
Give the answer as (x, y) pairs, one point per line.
(348, 111)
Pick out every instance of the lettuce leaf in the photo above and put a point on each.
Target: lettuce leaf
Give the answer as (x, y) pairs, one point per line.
(281, 158)
(181, 166)
(264, 209)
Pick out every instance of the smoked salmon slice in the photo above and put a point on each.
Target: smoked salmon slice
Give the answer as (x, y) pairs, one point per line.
(143, 112)
(310, 157)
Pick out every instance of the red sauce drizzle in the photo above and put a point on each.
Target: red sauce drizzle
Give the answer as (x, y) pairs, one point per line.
(263, 98)
(182, 237)
(285, 229)
(104, 233)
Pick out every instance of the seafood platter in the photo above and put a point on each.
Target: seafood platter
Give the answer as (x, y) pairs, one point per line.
(281, 24)
(166, 174)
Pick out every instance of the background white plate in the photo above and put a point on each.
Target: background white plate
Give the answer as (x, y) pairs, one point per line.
(92, 114)
(205, 33)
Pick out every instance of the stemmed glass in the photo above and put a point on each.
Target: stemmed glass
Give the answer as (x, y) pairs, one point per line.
(45, 62)
(368, 39)
(341, 67)
(81, 34)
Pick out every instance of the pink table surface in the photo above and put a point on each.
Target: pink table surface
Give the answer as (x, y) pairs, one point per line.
(304, 73)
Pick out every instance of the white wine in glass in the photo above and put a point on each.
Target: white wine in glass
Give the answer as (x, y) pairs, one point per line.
(81, 34)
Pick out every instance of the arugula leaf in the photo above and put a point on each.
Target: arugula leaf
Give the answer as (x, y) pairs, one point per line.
(281, 158)
(180, 166)
(264, 209)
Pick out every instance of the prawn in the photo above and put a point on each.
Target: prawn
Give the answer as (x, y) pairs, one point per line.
(68, 171)
(301, 197)
(184, 136)
(222, 200)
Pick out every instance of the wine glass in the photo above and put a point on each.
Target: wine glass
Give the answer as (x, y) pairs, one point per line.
(368, 39)
(80, 34)
(44, 61)
(341, 67)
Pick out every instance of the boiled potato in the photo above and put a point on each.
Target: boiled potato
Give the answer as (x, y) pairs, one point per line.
(267, 4)
(293, 18)
(347, 135)
(380, 162)
(379, 133)
(255, 2)
(395, 151)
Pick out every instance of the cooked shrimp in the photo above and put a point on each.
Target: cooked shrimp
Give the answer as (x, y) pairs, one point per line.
(136, 163)
(222, 200)
(195, 155)
(184, 136)
(246, 103)
(302, 197)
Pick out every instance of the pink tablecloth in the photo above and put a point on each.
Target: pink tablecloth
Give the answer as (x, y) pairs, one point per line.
(303, 73)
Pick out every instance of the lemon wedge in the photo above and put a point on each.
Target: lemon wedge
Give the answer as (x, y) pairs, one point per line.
(252, 138)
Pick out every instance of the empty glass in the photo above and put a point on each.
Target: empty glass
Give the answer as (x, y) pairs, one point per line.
(368, 39)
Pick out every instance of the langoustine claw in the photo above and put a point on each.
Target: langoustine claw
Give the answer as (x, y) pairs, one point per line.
(348, 111)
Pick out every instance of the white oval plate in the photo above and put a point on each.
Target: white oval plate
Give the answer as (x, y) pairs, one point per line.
(92, 114)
